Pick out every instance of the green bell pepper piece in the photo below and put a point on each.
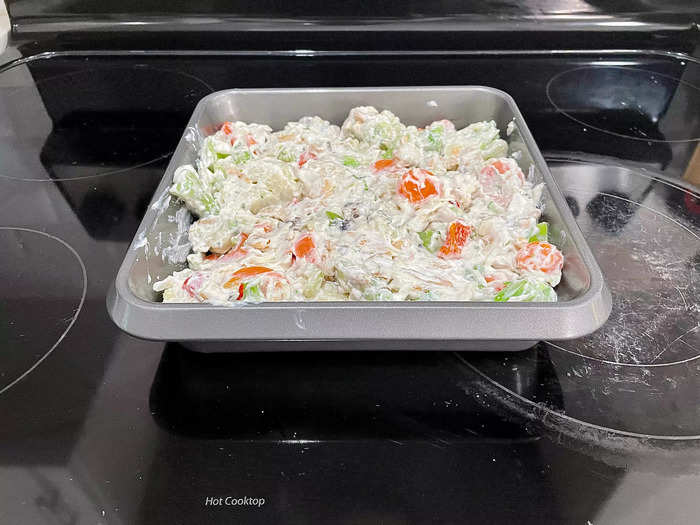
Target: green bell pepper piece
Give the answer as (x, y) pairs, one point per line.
(426, 238)
(285, 156)
(541, 233)
(240, 158)
(332, 216)
(512, 289)
(350, 161)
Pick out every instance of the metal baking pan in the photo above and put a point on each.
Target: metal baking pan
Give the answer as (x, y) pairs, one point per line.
(160, 247)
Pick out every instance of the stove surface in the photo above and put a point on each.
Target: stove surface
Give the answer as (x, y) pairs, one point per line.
(100, 427)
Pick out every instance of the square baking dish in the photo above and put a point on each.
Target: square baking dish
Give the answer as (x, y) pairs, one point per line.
(160, 247)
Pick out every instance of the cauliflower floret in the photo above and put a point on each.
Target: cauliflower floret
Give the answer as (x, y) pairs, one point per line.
(378, 129)
(264, 182)
(215, 233)
(197, 195)
(434, 136)
(479, 141)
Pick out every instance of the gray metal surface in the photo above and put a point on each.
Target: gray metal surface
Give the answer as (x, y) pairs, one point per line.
(160, 247)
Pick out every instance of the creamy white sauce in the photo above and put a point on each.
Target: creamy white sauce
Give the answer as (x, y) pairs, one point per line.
(373, 210)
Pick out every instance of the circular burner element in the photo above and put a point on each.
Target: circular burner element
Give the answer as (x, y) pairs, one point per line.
(653, 272)
(571, 391)
(96, 121)
(650, 256)
(44, 283)
(637, 378)
(630, 103)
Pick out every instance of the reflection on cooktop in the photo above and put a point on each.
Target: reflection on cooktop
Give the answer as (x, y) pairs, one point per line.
(320, 396)
(611, 210)
(96, 121)
(650, 259)
(647, 401)
(109, 208)
(627, 102)
(44, 285)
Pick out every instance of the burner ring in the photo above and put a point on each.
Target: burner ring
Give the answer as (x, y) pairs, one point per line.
(599, 429)
(630, 257)
(635, 381)
(637, 365)
(103, 120)
(634, 111)
(93, 176)
(31, 364)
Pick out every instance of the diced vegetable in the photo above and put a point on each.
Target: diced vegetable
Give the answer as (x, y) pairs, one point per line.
(430, 240)
(488, 136)
(237, 252)
(540, 257)
(386, 133)
(245, 273)
(189, 187)
(193, 283)
(285, 156)
(541, 233)
(526, 291)
(425, 237)
(252, 293)
(435, 139)
(240, 158)
(383, 164)
(274, 286)
(216, 151)
(350, 161)
(304, 247)
(457, 235)
(500, 166)
(256, 283)
(332, 216)
(505, 165)
(306, 157)
(313, 285)
(418, 184)
(511, 290)
(545, 293)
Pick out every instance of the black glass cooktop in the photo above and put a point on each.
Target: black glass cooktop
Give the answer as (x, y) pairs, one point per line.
(99, 427)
